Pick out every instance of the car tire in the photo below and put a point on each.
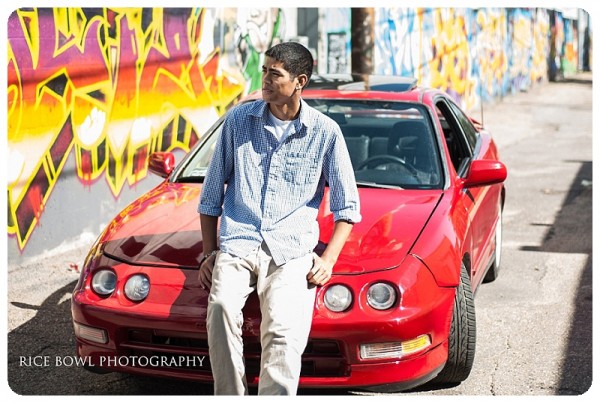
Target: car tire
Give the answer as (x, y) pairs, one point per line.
(461, 341)
(492, 273)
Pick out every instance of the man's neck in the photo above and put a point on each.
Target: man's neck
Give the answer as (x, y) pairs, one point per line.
(288, 111)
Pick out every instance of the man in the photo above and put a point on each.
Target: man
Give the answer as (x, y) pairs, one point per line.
(275, 155)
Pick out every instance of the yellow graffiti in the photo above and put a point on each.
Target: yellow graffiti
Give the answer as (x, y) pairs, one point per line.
(541, 27)
(113, 85)
(522, 40)
(491, 56)
(450, 66)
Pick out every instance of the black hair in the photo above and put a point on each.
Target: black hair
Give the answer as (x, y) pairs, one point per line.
(295, 57)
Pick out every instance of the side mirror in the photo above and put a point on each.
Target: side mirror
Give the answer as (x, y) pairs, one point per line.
(485, 173)
(161, 164)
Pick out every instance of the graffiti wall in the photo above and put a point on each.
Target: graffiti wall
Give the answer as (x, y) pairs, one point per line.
(474, 54)
(335, 54)
(92, 92)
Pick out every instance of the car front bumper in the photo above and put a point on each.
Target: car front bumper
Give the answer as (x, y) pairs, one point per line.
(169, 340)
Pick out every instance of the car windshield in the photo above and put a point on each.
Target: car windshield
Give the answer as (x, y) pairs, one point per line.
(391, 144)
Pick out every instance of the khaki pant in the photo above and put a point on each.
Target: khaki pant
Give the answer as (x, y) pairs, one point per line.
(286, 304)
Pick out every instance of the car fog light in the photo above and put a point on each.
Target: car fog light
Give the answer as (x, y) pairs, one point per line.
(338, 298)
(104, 282)
(381, 296)
(137, 287)
(394, 349)
(90, 333)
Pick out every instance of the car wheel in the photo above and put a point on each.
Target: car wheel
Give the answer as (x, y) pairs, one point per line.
(492, 273)
(461, 341)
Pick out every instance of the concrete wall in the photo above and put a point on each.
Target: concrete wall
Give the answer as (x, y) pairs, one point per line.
(93, 91)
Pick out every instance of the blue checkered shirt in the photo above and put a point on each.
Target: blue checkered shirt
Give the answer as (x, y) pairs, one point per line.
(274, 188)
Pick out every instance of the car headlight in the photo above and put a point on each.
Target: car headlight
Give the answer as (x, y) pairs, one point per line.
(337, 298)
(137, 287)
(381, 296)
(104, 282)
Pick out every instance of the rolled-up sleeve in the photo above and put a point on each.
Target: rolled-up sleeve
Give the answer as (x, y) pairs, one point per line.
(219, 171)
(343, 193)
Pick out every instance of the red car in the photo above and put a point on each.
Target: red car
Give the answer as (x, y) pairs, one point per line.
(398, 310)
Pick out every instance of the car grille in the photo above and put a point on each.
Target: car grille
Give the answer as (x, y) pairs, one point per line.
(321, 358)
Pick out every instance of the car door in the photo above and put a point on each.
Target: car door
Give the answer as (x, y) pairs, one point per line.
(464, 146)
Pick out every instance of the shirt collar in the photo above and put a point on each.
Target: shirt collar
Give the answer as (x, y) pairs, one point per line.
(259, 110)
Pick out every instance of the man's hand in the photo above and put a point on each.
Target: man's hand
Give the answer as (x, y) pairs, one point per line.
(321, 271)
(205, 272)
(323, 265)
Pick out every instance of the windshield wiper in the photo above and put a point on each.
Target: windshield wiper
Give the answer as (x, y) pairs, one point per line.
(190, 179)
(377, 185)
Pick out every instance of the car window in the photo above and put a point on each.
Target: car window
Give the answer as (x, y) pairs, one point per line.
(195, 166)
(469, 130)
(459, 147)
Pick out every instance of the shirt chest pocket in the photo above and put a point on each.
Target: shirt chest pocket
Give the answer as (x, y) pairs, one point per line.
(301, 168)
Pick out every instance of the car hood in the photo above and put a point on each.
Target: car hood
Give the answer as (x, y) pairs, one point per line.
(162, 228)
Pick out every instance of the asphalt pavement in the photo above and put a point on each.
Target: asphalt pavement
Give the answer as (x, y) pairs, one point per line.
(534, 323)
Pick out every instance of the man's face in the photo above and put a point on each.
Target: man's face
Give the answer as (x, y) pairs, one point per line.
(278, 86)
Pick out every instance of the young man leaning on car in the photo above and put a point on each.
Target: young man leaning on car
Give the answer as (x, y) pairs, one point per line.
(276, 155)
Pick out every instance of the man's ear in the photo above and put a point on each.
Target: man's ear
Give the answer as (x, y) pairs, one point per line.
(302, 80)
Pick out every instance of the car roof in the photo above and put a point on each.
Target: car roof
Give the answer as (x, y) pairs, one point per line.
(361, 86)
(364, 86)
(362, 82)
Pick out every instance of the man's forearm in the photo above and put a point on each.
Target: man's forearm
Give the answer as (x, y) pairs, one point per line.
(208, 225)
(341, 232)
